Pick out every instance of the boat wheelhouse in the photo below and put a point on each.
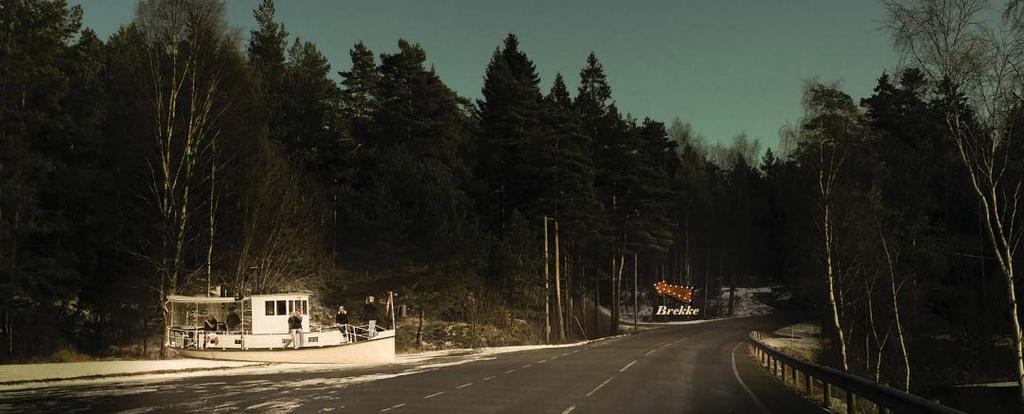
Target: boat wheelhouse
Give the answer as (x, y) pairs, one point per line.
(255, 328)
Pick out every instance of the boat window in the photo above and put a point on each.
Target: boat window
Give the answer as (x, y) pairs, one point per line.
(270, 307)
(281, 310)
(305, 307)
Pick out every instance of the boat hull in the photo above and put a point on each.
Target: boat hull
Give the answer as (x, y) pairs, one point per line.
(375, 351)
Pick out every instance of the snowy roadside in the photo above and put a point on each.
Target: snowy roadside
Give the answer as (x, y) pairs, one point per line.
(802, 340)
(20, 373)
(27, 376)
(746, 304)
(426, 356)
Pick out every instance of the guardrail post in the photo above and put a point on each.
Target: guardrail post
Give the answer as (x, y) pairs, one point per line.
(826, 391)
(808, 384)
(850, 402)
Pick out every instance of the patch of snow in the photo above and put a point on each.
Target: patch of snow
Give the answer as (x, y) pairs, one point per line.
(425, 356)
(805, 329)
(70, 370)
(1004, 384)
(802, 340)
(745, 303)
(42, 375)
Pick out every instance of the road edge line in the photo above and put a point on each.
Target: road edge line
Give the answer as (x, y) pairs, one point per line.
(736, 372)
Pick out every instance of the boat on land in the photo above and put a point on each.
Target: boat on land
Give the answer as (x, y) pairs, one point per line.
(259, 332)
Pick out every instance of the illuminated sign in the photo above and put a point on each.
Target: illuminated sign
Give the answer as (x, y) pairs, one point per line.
(685, 310)
(683, 293)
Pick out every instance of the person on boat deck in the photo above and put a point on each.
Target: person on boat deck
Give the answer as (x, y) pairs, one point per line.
(233, 320)
(370, 315)
(210, 324)
(370, 310)
(342, 317)
(294, 328)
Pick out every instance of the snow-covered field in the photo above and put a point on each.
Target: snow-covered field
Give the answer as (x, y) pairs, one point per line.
(69, 370)
(802, 340)
(746, 304)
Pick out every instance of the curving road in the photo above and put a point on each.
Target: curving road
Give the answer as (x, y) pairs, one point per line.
(676, 369)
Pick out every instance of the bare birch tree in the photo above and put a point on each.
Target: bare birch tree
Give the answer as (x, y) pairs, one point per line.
(831, 129)
(977, 53)
(282, 245)
(183, 39)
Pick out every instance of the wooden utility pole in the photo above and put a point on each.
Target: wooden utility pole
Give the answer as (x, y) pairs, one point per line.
(558, 289)
(569, 261)
(547, 288)
(636, 294)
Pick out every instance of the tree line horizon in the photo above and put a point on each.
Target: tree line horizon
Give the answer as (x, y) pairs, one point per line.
(173, 157)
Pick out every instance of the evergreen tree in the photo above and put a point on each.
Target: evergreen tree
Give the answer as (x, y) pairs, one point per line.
(360, 94)
(266, 50)
(313, 131)
(510, 127)
(38, 272)
(418, 110)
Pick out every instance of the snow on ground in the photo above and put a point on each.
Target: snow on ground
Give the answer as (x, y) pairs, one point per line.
(1003, 384)
(802, 340)
(425, 356)
(269, 394)
(29, 376)
(746, 302)
(69, 370)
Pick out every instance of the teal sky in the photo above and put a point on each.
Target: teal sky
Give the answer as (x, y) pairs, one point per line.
(725, 66)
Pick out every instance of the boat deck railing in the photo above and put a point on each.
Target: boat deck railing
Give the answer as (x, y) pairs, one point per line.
(189, 337)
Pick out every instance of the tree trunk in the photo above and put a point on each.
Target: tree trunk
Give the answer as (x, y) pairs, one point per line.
(419, 329)
(569, 315)
(896, 313)
(636, 294)
(213, 215)
(558, 289)
(613, 320)
(547, 288)
(832, 290)
(732, 293)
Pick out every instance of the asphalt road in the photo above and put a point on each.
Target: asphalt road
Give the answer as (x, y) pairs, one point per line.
(678, 369)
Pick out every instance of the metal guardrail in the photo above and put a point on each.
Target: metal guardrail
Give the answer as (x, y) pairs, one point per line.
(887, 399)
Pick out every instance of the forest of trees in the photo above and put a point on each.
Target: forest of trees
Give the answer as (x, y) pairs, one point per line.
(176, 155)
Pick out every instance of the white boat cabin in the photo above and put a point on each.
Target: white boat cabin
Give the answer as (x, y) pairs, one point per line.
(271, 312)
(257, 322)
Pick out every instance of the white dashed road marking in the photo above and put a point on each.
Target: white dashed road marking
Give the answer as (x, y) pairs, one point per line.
(392, 407)
(627, 366)
(569, 410)
(510, 371)
(464, 385)
(599, 386)
(433, 395)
